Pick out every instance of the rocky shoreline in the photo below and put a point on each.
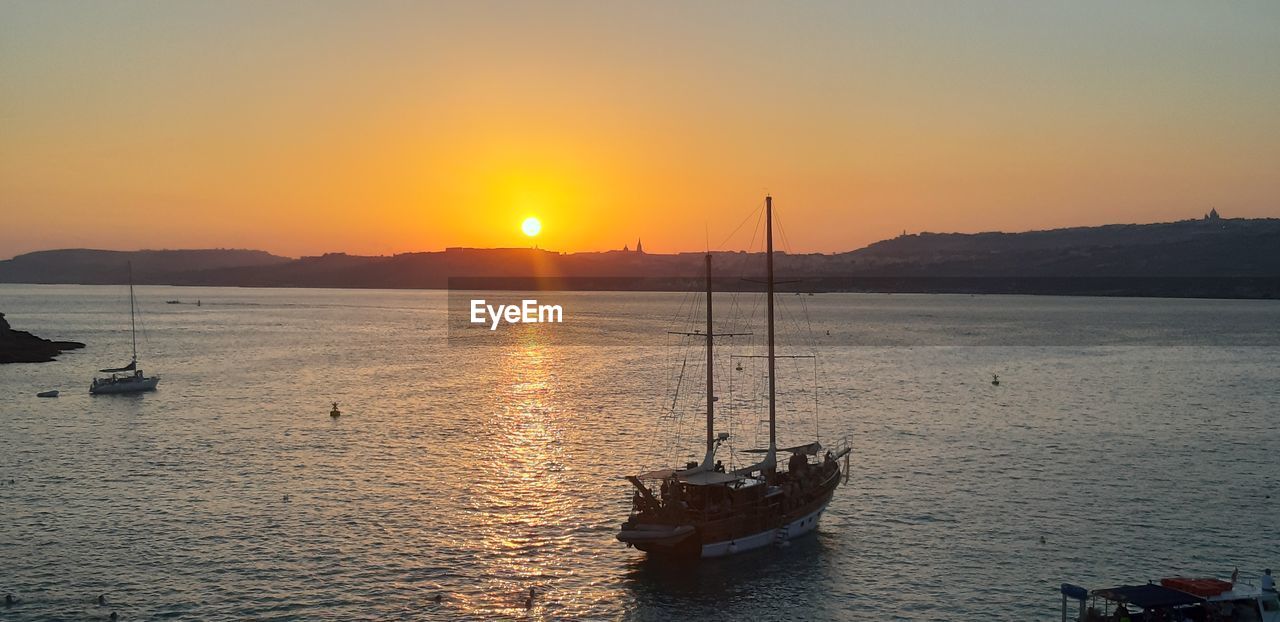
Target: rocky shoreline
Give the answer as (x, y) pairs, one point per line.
(17, 346)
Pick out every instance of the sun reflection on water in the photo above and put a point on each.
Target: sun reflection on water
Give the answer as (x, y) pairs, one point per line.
(520, 506)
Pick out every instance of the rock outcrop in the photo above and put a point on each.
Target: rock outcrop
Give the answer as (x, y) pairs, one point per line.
(17, 346)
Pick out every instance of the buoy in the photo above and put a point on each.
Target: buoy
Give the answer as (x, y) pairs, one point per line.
(335, 413)
(995, 380)
(102, 600)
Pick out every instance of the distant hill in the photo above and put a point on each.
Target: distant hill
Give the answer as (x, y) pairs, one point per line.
(1192, 248)
(98, 267)
(1222, 258)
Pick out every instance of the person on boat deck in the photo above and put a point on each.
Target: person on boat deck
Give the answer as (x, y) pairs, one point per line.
(797, 463)
(1268, 582)
(719, 466)
(1122, 614)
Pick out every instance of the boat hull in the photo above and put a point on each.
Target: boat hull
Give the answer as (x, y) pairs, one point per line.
(125, 386)
(687, 541)
(790, 531)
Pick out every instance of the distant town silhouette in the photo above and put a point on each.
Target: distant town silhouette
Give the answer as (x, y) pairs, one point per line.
(1210, 256)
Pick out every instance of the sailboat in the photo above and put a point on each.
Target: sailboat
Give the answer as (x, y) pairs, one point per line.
(702, 510)
(127, 379)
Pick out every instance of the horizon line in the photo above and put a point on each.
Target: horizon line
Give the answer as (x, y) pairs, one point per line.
(616, 250)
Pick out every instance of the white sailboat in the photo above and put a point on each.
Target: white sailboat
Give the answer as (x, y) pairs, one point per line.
(129, 378)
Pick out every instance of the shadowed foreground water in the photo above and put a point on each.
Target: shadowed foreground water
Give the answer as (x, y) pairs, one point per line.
(476, 473)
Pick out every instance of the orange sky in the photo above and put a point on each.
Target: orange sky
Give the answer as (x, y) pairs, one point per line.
(301, 128)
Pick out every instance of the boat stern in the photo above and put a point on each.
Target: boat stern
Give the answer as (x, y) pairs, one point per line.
(656, 537)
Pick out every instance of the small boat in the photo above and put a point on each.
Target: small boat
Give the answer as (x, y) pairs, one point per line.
(335, 413)
(1174, 598)
(47, 394)
(173, 302)
(121, 380)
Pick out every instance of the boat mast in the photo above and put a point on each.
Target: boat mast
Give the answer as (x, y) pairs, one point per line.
(711, 397)
(133, 326)
(771, 458)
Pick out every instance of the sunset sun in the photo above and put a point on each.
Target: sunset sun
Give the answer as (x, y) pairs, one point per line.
(531, 226)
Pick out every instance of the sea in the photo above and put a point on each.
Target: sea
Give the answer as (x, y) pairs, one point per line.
(1126, 440)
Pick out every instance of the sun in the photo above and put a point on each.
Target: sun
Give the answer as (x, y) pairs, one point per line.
(531, 226)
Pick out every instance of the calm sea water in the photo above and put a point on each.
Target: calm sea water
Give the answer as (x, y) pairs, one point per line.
(1139, 438)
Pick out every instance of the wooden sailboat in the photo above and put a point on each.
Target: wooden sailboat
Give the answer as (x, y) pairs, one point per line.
(129, 378)
(704, 511)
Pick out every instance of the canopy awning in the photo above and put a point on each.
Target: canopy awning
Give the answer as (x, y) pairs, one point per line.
(1150, 596)
(809, 449)
(693, 477)
(130, 367)
(707, 478)
(659, 474)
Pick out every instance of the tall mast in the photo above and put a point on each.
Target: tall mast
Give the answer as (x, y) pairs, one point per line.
(133, 327)
(768, 227)
(711, 397)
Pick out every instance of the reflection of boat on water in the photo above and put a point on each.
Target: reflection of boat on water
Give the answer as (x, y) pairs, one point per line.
(1174, 598)
(704, 510)
(120, 381)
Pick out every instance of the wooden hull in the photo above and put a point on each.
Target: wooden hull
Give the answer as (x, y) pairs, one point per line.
(692, 544)
(780, 536)
(773, 524)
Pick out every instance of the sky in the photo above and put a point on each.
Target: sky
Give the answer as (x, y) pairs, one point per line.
(381, 127)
